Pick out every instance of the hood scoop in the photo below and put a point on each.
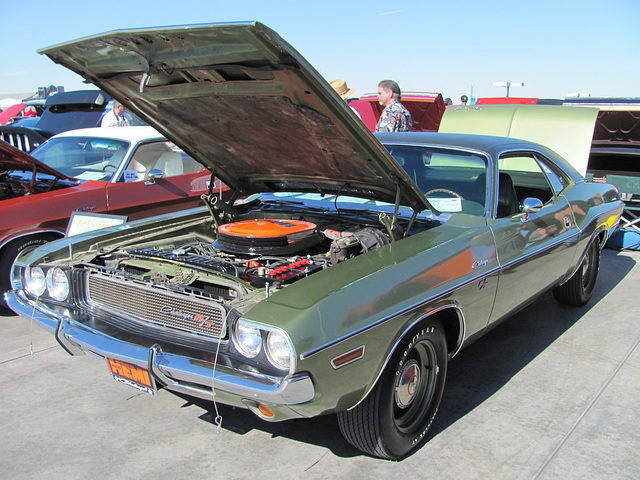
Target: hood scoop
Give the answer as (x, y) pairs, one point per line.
(267, 237)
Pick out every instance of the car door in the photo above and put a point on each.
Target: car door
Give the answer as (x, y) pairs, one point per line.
(455, 183)
(534, 250)
(182, 182)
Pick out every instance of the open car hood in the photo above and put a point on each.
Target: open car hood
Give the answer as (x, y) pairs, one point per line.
(244, 103)
(566, 130)
(12, 158)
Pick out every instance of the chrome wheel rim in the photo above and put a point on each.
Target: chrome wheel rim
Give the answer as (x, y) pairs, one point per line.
(415, 387)
(406, 384)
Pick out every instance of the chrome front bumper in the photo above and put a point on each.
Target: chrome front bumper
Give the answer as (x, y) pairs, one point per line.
(178, 373)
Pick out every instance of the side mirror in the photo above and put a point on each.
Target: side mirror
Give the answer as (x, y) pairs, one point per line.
(530, 205)
(153, 175)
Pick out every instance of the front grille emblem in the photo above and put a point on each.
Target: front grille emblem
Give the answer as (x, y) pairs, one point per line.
(202, 320)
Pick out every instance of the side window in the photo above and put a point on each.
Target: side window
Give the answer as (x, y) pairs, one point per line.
(85, 158)
(163, 156)
(558, 183)
(527, 176)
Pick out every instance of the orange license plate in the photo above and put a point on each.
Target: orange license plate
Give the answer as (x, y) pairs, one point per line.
(131, 375)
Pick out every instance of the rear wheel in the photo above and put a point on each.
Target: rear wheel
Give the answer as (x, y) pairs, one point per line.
(578, 290)
(11, 252)
(394, 418)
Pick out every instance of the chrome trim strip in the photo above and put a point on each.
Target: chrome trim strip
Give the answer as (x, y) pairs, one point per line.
(179, 373)
(305, 355)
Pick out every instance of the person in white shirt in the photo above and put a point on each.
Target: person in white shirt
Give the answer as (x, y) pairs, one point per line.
(117, 117)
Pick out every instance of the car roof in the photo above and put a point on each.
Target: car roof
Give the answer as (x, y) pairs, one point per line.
(129, 134)
(493, 146)
(93, 97)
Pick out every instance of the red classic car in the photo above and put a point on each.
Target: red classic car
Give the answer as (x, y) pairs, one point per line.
(127, 171)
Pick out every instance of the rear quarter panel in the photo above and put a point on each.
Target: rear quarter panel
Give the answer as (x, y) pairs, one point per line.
(596, 209)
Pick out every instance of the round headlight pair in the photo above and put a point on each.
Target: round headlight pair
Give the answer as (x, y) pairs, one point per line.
(55, 282)
(249, 342)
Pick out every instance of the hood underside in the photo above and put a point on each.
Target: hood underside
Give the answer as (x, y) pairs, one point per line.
(617, 128)
(244, 103)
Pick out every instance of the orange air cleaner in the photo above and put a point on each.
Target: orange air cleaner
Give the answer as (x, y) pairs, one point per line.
(266, 228)
(267, 236)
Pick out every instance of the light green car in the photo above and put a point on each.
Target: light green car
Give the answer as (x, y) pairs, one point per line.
(349, 268)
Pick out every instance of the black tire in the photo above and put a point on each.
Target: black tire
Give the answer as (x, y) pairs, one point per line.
(390, 422)
(11, 252)
(579, 288)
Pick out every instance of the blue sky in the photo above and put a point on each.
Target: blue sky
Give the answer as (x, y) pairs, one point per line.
(453, 47)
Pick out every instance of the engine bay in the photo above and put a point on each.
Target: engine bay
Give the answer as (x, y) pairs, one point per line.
(259, 253)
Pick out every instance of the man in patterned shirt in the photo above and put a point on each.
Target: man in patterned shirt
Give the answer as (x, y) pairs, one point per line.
(395, 117)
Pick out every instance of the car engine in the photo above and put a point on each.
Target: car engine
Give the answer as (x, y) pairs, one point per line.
(259, 252)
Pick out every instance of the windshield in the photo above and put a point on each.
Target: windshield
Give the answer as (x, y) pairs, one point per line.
(454, 181)
(83, 158)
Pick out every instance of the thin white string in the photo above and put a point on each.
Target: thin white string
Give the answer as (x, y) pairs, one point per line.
(33, 312)
(218, 418)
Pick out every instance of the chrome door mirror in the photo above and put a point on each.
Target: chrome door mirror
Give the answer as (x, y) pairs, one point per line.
(153, 175)
(530, 205)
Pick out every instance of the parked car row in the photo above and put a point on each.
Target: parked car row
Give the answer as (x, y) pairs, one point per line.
(344, 273)
(62, 111)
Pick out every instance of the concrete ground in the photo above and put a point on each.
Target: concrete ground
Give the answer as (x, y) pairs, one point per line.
(553, 393)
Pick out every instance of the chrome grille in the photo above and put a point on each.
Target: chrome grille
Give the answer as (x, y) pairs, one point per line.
(157, 306)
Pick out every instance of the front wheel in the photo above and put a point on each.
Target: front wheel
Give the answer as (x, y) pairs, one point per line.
(394, 418)
(579, 288)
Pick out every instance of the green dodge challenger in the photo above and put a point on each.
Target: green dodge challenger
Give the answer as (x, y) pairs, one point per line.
(347, 269)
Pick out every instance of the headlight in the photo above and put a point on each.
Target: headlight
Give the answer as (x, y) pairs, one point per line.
(35, 282)
(57, 284)
(248, 339)
(279, 350)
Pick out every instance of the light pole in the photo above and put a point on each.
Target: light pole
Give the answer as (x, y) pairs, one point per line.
(508, 85)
